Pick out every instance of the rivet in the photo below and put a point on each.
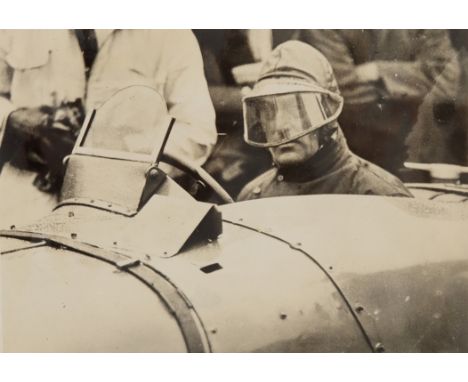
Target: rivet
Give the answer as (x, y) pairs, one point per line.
(114, 243)
(379, 348)
(147, 257)
(283, 316)
(73, 235)
(359, 308)
(12, 227)
(299, 244)
(214, 331)
(153, 172)
(71, 214)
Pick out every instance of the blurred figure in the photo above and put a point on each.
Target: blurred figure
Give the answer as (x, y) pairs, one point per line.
(231, 59)
(293, 111)
(459, 138)
(384, 76)
(48, 78)
(440, 135)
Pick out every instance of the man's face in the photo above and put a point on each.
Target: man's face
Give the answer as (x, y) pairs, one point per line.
(296, 152)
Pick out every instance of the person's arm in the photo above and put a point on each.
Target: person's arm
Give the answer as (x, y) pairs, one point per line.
(434, 56)
(391, 79)
(246, 192)
(186, 93)
(6, 107)
(332, 44)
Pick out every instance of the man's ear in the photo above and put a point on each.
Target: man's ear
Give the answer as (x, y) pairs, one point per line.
(328, 133)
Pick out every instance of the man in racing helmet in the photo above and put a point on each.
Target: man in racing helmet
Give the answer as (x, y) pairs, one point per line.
(292, 110)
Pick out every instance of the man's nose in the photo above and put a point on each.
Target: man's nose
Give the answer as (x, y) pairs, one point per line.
(282, 131)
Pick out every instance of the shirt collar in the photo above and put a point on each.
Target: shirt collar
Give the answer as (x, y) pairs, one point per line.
(327, 160)
(102, 35)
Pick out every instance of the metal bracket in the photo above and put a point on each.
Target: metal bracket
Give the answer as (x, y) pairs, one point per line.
(126, 264)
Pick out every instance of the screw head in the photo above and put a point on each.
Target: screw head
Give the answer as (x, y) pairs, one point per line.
(379, 348)
(153, 171)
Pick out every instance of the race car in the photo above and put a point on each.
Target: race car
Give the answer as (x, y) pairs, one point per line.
(129, 262)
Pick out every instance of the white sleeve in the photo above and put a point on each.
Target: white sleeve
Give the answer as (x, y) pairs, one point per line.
(188, 99)
(6, 107)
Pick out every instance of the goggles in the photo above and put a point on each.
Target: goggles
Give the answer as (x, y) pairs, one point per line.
(274, 119)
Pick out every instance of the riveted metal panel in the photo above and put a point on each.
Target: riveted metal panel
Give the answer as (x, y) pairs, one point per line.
(255, 293)
(160, 229)
(401, 263)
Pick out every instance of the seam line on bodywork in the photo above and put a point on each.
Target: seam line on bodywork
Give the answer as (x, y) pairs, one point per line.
(317, 263)
(36, 245)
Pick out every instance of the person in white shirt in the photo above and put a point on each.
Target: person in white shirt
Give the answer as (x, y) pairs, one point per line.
(42, 70)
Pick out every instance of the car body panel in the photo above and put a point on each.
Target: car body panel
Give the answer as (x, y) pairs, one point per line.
(55, 300)
(311, 273)
(401, 263)
(257, 300)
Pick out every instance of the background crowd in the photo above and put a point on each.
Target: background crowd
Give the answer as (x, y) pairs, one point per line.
(405, 96)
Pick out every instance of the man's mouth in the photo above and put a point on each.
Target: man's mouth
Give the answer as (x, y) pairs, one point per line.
(289, 146)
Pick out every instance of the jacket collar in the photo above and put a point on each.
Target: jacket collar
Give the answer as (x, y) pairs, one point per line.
(329, 159)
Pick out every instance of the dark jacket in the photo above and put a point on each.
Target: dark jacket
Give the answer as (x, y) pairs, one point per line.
(333, 170)
(378, 117)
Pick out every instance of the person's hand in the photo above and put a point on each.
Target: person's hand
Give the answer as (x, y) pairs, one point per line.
(27, 122)
(69, 116)
(368, 72)
(53, 146)
(47, 134)
(57, 140)
(247, 74)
